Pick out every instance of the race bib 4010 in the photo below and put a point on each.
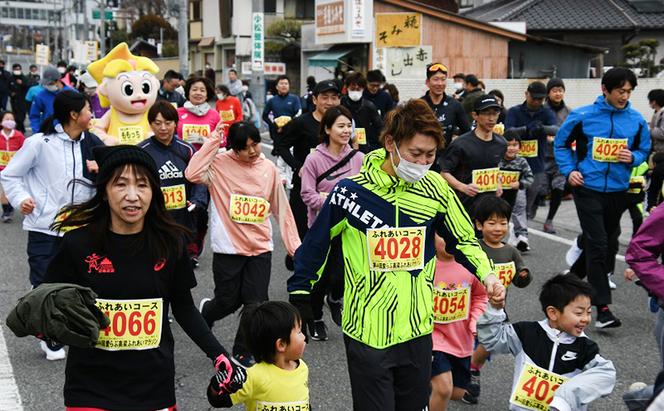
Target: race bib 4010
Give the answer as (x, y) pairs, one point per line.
(135, 324)
(486, 179)
(396, 249)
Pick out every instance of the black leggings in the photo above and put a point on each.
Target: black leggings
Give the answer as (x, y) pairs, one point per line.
(331, 281)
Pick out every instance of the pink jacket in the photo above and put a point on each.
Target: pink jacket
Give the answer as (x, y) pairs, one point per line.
(644, 252)
(457, 338)
(318, 162)
(226, 175)
(210, 119)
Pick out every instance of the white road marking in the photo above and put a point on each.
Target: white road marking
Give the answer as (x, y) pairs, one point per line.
(10, 399)
(563, 240)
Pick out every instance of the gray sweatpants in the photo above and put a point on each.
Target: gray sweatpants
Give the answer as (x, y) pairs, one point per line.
(519, 217)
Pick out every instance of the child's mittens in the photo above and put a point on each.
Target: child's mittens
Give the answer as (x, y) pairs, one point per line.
(229, 377)
(522, 278)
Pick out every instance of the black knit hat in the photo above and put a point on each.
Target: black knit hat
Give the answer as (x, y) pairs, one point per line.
(554, 82)
(109, 158)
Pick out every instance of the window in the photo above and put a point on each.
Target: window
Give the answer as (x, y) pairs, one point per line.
(304, 9)
(269, 6)
(466, 3)
(19, 13)
(12, 13)
(196, 10)
(42, 14)
(5, 12)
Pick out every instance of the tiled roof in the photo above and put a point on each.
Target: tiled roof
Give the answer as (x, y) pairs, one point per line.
(570, 14)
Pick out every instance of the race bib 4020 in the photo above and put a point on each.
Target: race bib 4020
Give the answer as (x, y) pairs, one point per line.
(606, 149)
(396, 249)
(135, 324)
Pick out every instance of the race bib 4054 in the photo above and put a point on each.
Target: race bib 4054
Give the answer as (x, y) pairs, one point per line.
(450, 305)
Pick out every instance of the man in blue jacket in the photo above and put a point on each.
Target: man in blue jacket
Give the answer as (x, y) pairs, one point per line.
(534, 117)
(610, 138)
(284, 103)
(42, 105)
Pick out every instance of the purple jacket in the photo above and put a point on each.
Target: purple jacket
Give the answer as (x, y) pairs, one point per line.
(96, 107)
(317, 163)
(644, 251)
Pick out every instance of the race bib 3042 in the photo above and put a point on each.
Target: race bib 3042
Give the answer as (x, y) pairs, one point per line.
(248, 209)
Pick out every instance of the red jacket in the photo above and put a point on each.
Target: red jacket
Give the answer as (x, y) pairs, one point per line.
(9, 146)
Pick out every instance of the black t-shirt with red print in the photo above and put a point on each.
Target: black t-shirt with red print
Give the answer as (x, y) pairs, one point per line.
(132, 366)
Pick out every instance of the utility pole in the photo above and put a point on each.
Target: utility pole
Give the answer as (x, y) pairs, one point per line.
(257, 78)
(86, 26)
(183, 38)
(102, 28)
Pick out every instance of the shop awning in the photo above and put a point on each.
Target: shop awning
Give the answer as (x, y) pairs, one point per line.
(206, 42)
(328, 58)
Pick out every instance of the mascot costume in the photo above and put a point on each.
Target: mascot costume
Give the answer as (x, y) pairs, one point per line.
(127, 84)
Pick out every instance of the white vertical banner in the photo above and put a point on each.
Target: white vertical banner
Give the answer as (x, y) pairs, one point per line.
(357, 18)
(257, 41)
(42, 55)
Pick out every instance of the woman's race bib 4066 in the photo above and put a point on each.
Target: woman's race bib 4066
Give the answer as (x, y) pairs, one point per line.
(135, 324)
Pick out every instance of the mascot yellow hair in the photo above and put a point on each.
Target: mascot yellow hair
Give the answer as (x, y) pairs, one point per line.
(119, 60)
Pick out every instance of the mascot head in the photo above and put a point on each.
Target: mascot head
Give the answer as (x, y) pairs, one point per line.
(126, 82)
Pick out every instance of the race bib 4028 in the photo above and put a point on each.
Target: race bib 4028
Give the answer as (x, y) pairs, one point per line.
(396, 249)
(135, 324)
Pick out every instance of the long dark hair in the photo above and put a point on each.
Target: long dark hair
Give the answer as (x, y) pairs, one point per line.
(64, 103)
(161, 235)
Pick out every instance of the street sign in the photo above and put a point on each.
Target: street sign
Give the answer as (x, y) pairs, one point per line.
(96, 14)
(274, 69)
(257, 49)
(91, 51)
(42, 55)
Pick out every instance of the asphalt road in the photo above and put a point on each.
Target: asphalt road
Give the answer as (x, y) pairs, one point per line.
(632, 347)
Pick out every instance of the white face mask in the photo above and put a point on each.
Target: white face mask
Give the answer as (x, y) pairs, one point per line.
(458, 86)
(51, 87)
(17, 72)
(221, 96)
(355, 95)
(62, 70)
(407, 171)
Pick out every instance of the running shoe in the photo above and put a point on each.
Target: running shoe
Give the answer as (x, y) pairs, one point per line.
(6, 216)
(548, 228)
(289, 263)
(320, 331)
(606, 319)
(53, 350)
(244, 360)
(573, 253)
(612, 285)
(336, 309)
(522, 244)
(474, 386)
(468, 398)
(202, 304)
(194, 261)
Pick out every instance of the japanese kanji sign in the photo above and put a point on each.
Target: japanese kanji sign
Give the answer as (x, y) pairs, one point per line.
(398, 29)
(330, 18)
(358, 22)
(257, 44)
(406, 62)
(42, 54)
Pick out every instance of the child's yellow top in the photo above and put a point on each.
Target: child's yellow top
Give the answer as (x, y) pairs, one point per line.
(127, 133)
(269, 387)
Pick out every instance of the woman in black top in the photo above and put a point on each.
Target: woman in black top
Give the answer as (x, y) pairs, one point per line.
(132, 254)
